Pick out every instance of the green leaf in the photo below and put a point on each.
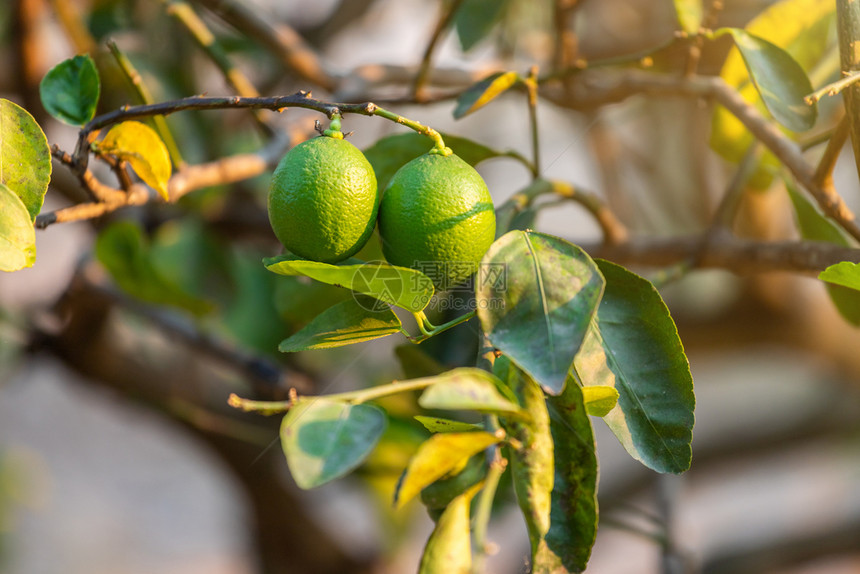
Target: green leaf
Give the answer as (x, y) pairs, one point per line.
(435, 424)
(779, 79)
(475, 19)
(438, 456)
(449, 548)
(348, 322)
(390, 153)
(391, 285)
(536, 302)
(803, 28)
(70, 91)
(573, 518)
(599, 400)
(634, 346)
(532, 464)
(690, 13)
(325, 439)
(140, 146)
(846, 274)
(124, 252)
(470, 389)
(25, 158)
(17, 235)
(481, 93)
(440, 494)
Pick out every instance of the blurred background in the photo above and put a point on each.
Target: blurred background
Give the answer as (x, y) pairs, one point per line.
(118, 452)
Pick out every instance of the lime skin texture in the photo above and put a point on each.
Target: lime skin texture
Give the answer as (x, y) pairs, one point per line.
(323, 200)
(437, 216)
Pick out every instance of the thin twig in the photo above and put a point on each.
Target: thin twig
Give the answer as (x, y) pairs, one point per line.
(832, 89)
(427, 60)
(225, 170)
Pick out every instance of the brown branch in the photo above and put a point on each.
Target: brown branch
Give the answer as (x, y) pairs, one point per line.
(741, 256)
(226, 170)
(600, 88)
(282, 41)
(614, 231)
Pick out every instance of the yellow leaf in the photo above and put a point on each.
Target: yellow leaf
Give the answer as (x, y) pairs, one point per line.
(140, 146)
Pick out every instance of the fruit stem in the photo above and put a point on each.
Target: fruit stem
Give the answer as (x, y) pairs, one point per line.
(429, 330)
(333, 130)
(439, 147)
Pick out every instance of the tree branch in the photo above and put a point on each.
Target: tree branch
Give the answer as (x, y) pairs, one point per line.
(226, 170)
(601, 88)
(724, 251)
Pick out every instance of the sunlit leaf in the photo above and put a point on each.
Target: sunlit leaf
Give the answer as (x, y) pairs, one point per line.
(483, 92)
(467, 388)
(846, 274)
(406, 288)
(140, 146)
(25, 158)
(443, 491)
(536, 295)
(439, 455)
(354, 320)
(70, 90)
(634, 346)
(325, 439)
(17, 235)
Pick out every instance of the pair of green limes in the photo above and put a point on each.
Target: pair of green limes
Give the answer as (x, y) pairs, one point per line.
(435, 215)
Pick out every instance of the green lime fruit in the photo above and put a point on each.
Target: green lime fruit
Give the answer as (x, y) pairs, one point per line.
(437, 216)
(323, 200)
